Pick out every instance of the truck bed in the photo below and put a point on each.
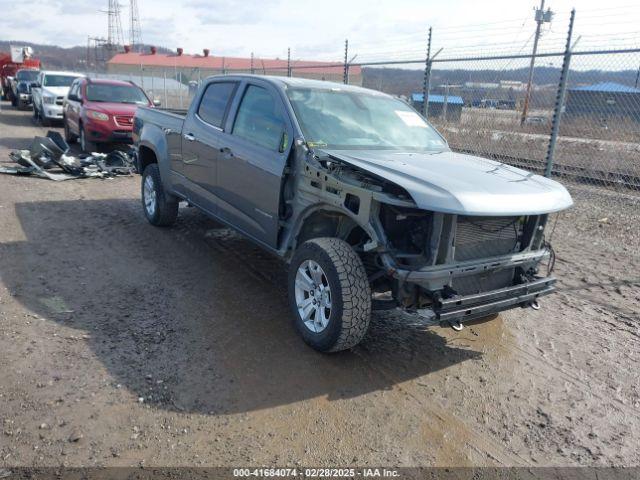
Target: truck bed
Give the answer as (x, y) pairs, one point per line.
(162, 117)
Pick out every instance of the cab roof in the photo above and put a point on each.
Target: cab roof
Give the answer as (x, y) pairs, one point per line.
(295, 82)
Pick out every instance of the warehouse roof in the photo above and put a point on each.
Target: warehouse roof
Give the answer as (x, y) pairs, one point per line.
(218, 63)
(451, 99)
(607, 87)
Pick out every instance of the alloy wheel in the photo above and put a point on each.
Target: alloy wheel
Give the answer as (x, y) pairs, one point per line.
(313, 296)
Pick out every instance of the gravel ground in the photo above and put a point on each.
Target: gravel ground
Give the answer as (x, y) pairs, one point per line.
(123, 344)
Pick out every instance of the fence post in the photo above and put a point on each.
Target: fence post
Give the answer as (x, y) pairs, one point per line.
(345, 76)
(562, 90)
(425, 80)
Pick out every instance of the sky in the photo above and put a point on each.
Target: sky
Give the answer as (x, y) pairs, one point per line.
(376, 30)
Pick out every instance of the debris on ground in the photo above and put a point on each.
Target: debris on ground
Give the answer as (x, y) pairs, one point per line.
(51, 153)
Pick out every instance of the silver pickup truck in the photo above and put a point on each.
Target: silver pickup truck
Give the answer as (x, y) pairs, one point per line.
(359, 195)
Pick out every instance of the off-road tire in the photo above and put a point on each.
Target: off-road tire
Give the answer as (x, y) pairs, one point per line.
(350, 294)
(68, 136)
(166, 210)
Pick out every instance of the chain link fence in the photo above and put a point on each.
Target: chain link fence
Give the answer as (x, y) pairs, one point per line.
(578, 118)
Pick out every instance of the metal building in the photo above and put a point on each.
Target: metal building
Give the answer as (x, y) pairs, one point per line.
(604, 101)
(188, 68)
(449, 106)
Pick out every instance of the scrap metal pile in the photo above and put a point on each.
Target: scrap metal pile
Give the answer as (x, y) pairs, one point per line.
(48, 158)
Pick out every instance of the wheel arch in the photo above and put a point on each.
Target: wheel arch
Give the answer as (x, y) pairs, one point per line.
(146, 156)
(325, 220)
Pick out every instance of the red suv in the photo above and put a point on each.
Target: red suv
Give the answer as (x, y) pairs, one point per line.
(99, 111)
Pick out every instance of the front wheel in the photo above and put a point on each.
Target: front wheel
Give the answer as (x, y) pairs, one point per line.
(85, 145)
(329, 294)
(68, 136)
(160, 207)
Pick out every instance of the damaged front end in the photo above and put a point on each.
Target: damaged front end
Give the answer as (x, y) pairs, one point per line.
(454, 268)
(445, 267)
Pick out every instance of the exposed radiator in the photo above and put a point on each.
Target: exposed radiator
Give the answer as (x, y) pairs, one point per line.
(482, 237)
(483, 282)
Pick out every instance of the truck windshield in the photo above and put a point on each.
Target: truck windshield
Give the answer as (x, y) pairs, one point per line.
(58, 80)
(116, 94)
(27, 75)
(344, 119)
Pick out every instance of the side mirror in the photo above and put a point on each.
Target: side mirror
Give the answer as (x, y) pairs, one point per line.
(35, 85)
(157, 103)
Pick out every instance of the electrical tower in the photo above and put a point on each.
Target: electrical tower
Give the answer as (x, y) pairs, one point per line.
(135, 32)
(115, 37)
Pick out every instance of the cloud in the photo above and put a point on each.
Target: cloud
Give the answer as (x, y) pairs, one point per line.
(230, 12)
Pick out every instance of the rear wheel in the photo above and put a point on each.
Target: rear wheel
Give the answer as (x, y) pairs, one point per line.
(160, 207)
(329, 294)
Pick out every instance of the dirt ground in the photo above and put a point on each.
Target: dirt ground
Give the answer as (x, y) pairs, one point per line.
(124, 344)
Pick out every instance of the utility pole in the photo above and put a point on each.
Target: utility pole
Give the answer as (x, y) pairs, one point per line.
(444, 103)
(288, 62)
(541, 17)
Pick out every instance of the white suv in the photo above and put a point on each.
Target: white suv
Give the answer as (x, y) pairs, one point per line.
(49, 94)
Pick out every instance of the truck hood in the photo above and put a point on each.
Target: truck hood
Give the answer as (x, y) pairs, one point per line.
(461, 184)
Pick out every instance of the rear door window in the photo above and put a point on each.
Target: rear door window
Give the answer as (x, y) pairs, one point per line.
(259, 119)
(214, 103)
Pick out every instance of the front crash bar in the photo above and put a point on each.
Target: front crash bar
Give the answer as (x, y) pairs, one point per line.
(469, 307)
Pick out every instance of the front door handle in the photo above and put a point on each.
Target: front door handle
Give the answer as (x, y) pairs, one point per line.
(189, 137)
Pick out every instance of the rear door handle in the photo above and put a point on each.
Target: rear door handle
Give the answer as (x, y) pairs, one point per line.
(189, 137)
